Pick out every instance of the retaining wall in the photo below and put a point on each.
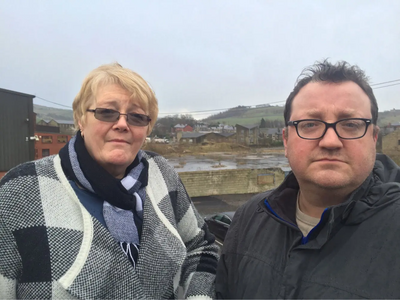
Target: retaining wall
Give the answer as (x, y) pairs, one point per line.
(235, 181)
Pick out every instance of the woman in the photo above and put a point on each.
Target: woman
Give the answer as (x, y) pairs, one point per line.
(104, 219)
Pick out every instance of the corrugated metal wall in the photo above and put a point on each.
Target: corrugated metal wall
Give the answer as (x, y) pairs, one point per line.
(16, 125)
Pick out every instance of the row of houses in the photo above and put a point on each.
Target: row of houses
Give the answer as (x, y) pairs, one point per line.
(21, 139)
(65, 126)
(163, 130)
(201, 137)
(250, 135)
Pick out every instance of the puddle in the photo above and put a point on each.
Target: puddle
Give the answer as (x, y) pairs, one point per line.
(221, 161)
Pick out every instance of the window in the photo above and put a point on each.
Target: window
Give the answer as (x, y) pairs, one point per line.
(398, 142)
(226, 220)
(217, 217)
(46, 139)
(62, 139)
(45, 152)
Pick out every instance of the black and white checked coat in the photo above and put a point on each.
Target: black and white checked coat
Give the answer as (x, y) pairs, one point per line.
(51, 247)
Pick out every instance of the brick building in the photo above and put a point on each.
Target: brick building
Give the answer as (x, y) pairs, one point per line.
(183, 127)
(49, 140)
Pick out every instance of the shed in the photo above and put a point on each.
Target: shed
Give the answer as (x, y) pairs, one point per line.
(17, 121)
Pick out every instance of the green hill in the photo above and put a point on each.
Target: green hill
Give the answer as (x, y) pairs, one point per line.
(48, 113)
(248, 116)
(243, 115)
(389, 116)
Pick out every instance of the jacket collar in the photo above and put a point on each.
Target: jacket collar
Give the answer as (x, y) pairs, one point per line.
(381, 186)
(380, 189)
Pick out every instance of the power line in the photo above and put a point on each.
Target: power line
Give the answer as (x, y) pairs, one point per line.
(384, 82)
(380, 87)
(219, 109)
(53, 102)
(250, 106)
(246, 107)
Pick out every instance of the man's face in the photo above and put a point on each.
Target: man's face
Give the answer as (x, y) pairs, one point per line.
(331, 163)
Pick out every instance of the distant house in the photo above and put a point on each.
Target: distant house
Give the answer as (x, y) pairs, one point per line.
(394, 125)
(190, 137)
(183, 127)
(43, 122)
(389, 128)
(226, 128)
(201, 126)
(201, 137)
(247, 134)
(221, 137)
(66, 126)
(273, 134)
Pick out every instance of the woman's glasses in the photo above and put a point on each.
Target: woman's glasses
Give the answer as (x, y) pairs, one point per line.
(110, 115)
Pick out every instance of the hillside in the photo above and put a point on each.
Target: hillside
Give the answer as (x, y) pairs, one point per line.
(248, 116)
(48, 113)
(239, 115)
(389, 116)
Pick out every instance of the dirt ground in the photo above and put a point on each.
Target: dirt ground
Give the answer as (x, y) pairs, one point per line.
(179, 150)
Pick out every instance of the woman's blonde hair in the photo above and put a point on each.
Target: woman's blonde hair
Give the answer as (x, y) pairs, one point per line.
(115, 74)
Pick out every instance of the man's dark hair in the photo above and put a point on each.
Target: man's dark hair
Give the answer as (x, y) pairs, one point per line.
(326, 72)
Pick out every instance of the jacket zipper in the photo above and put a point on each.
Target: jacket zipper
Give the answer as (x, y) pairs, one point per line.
(304, 239)
(277, 216)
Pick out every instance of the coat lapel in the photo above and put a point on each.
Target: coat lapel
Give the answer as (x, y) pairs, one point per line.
(162, 250)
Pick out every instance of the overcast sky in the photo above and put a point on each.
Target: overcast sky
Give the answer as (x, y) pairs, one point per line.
(196, 55)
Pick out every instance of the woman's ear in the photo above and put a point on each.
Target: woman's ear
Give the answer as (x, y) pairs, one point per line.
(80, 128)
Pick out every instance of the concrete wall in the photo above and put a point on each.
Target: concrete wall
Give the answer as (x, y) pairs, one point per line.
(236, 181)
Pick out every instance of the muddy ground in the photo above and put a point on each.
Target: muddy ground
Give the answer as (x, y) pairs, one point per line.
(209, 205)
(180, 150)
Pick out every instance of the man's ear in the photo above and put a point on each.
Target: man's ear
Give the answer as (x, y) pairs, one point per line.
(284, 138)
(376, 132)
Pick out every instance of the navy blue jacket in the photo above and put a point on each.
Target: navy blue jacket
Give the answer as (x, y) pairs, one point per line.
(354, 252)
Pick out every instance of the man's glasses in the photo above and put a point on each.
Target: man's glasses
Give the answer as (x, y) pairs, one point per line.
(348, 129)
(110, 115)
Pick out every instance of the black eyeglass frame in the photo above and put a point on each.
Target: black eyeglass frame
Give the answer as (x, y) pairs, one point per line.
(147, 118)
(330, 125)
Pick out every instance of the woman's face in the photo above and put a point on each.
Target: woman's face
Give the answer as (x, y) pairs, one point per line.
(113, 145)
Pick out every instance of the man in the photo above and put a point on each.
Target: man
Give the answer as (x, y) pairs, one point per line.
(332, 228)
